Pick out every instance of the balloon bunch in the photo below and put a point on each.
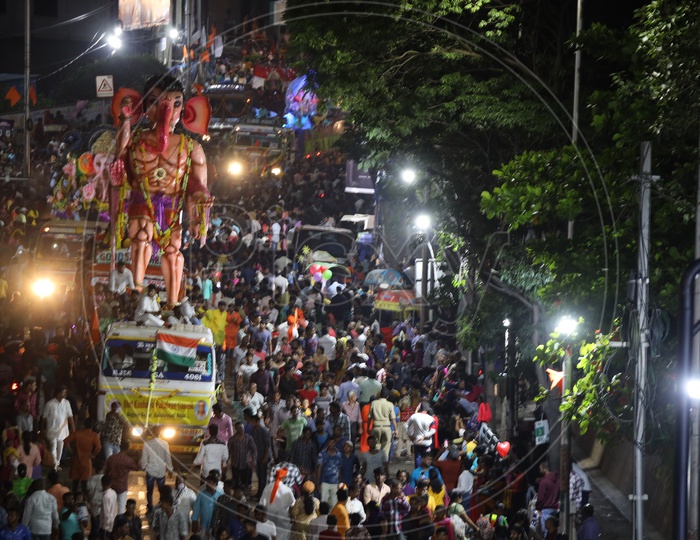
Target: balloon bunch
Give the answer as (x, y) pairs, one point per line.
(320, 273)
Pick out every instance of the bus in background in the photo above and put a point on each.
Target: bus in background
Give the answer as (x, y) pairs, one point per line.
(184, 373)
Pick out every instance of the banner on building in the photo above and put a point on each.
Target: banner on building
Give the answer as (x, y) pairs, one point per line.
(136, 14)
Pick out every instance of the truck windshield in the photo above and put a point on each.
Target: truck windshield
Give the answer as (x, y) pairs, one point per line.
(132, 358)
(59, 246)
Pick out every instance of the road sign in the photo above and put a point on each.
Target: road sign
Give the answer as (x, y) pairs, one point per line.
(105, 86)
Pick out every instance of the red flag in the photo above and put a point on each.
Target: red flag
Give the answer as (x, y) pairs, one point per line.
(32, 95)
(13, 95)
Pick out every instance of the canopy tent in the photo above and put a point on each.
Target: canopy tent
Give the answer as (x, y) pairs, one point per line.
(396, 300)
(320, 256)
(385, 276)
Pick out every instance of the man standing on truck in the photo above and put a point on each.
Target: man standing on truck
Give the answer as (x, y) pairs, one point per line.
(120, 279)
(215, 320)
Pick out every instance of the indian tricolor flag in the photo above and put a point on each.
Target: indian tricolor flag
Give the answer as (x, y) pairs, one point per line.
(175, 349)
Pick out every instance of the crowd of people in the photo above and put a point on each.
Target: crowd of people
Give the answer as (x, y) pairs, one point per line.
(332, 421)
(341, 431)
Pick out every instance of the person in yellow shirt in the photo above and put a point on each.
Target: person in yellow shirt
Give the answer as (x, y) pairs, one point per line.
(341, 513)
(215, 320)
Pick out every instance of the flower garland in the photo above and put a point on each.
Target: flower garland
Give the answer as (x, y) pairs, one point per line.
(162, 237)
(120, 226)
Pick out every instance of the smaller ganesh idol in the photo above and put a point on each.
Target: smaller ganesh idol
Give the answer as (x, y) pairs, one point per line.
(103, 156)
(167, 172)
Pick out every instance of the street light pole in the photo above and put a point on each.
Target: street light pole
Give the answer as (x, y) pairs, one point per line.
(565, 459)
(424, 269)
(566, 327)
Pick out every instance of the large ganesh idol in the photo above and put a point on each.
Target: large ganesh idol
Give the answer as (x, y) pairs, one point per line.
(166, 173)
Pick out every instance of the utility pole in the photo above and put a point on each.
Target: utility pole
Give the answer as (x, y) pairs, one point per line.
(27, 87)
(640, 401)
(577, 92)
(425, 254)
(188, 42)
(693, 479)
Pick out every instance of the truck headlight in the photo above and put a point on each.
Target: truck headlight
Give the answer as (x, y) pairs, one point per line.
(43, 288)
(168, 433)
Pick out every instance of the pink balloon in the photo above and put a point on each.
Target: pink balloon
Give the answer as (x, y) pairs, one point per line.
(318, 277)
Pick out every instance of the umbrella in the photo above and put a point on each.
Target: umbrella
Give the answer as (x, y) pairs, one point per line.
(385, 276)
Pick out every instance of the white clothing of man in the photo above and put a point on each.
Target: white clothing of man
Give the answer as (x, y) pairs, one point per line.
(420, 429)
(109, 510)
(275, 230)
(147, 309)
(354, 506)
(465, 482)
(156, 458)
(256, 402)
(183, 499)
(211, 456)
(40, 513)
(121, 278)
(281, 284)
(58, 416)
(278, 509)
(328, 343)
(266, 528)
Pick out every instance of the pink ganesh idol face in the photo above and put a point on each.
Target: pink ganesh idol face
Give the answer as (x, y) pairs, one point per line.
(164, 109)
(102, 163)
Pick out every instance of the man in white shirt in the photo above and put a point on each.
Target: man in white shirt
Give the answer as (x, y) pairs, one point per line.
(109, 506)
(281, 283)
(148, 309)
(256, 399)
(155, 459)
(328, 343)
(264, 526)
(40, 513)
(213, 453)
(183, 498)
(421, 428)
(120, 278)
(58, 423)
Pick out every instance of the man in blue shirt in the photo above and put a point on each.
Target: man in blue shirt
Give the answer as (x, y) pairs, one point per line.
(423, 471)
(328, 471)
(349, 463)
(204, 505)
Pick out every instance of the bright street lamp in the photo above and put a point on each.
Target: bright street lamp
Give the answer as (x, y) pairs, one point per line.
(173, 33)
(566, 326)
(408, 176)
(235, 168)
(114, 41)
(423, 222)
(692, 388)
